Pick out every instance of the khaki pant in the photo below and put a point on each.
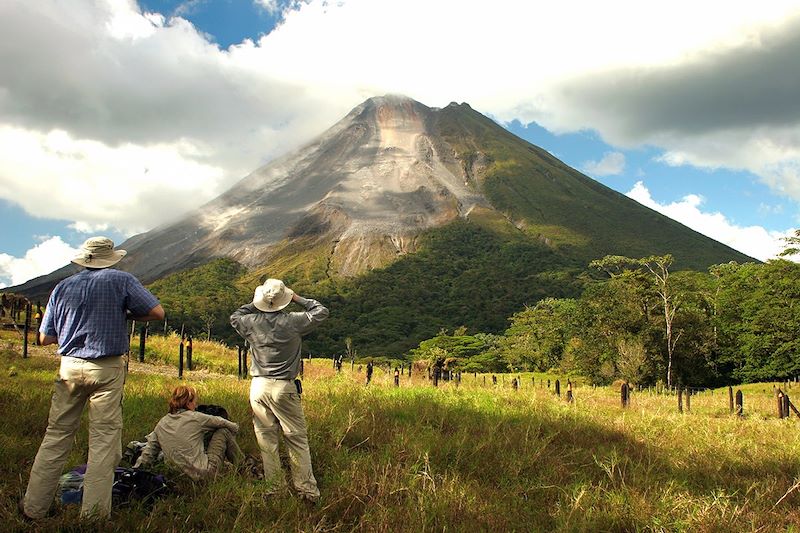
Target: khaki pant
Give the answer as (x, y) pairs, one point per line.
(222, 445)
(98, 382)
(276, 407)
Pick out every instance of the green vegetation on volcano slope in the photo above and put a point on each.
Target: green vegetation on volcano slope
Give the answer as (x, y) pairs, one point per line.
(468, 273)
(552, 201)
(474, 273)
(203, 298)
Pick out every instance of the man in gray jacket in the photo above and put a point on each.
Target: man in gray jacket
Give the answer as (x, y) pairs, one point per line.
(275, 338)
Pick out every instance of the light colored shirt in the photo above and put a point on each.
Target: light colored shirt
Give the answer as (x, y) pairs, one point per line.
(87, 312)
(180, 436)
(276, 337)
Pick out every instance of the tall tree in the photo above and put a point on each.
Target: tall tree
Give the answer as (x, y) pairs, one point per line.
(658, 267)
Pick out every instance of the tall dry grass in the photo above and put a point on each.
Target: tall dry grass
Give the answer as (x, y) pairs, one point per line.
(467, 458)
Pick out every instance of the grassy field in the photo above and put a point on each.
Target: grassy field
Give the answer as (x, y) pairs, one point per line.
(467, 458)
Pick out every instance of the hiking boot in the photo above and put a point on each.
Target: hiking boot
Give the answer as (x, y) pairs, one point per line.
(29, 519)
(252, 466)
(309, 500)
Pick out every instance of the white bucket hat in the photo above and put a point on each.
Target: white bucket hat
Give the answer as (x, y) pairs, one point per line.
(273, 295)
(98, 252)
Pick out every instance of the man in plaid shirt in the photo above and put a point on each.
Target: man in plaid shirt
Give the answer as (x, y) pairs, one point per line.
(86, 315)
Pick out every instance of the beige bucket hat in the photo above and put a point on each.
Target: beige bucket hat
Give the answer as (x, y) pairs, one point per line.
(273, 295)
(98, 252)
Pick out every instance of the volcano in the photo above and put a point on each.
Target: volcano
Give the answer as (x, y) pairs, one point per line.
(365, 190)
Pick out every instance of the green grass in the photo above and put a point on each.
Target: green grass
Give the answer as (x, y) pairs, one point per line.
(467, 458)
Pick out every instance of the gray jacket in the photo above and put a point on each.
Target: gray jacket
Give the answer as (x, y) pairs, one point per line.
(275, 337)
(180, 436)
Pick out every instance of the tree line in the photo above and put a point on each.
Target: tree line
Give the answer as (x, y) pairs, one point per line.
(637, 321)
(622, 318)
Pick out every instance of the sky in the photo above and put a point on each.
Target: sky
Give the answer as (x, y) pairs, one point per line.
(117, 116)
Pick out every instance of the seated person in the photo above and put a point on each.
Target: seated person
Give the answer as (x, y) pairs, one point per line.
(182, 436)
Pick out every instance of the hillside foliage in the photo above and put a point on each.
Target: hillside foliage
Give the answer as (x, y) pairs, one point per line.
(486, 301)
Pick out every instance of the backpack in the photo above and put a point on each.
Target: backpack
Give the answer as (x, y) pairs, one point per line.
(130, 485)
(213, 410)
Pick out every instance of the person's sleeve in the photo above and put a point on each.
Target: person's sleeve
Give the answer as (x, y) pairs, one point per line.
(314, 314)
(140, 300)
(217, 422)
(237, 316)
(150, 452)
(48, 326)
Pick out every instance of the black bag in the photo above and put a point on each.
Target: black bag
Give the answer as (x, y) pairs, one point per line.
(132, 485)
(213, 410)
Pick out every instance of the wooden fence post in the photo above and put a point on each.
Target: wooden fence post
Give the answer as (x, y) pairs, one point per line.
(514, 384)
(779, 398)
(739, 403)
(623, 395)
(396, 377)
(786, 404)
(189, 364)
(558, 388)
(180, 354)
(38, 317)
(26, 330)
(142, 341)
(680, 399)
(730, 397)
(569, 391)
(688, 399)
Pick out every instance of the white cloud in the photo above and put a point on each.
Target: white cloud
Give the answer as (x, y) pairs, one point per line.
(85, 227)
(50, 254)
(94, 93)
(271, 6)
(754, 241)
(96, 183)
(611, 164)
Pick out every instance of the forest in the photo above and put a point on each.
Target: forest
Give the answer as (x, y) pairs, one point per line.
(632, 319)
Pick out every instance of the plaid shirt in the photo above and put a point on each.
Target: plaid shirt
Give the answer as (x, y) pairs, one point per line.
(87, 312)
